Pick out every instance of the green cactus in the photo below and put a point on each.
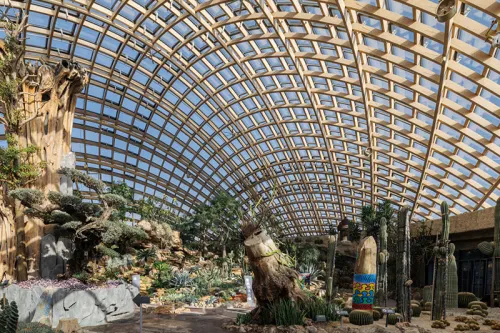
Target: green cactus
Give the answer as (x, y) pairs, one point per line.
(330, 261)
(416, 310)
(382, 264)
(441, 267)
(394, 318)
(361, 317)
(379, 310)
(329, 288)
(9, 317)
(482, 305)
(486, 248)
(464, 299)
(452, 284)
(427, 294)
(403, 281)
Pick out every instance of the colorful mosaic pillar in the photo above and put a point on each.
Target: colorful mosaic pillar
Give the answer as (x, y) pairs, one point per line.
(363, 291)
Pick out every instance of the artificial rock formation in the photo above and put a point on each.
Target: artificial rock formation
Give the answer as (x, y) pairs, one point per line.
(38, 103)
(441, 251)
(365, 275)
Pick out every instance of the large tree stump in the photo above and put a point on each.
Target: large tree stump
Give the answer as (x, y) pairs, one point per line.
(274, 276)
(365, 275)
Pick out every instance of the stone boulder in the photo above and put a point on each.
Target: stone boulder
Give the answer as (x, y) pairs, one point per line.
(48, 260)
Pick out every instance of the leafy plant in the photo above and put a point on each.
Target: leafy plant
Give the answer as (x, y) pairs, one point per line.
(146, 254)
(243, 318)
(317, 306)
(283, 313)
(36, 328)
(181, 279)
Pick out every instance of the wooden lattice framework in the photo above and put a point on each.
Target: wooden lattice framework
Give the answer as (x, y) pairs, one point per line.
(342, 102)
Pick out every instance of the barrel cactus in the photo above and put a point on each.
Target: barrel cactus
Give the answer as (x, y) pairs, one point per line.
(379, 310)
(376, 315)
(428, 306)
(482, 305)
(394, 318)
(416, 310)
(361, 317)
(9, 316)
(465, 298)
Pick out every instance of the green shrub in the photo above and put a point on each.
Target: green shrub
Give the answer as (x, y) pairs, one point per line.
(243, 318)
(283, 313)
(35, 328)
(317, 306)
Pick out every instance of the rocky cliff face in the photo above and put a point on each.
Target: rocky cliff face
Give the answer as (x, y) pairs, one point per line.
(90, 307)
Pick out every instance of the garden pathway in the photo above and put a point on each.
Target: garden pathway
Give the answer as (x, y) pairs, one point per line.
(152, 323)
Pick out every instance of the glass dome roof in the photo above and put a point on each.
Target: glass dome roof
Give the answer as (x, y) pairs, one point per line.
(341, 103)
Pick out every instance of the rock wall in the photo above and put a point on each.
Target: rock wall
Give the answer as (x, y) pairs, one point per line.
(90, 307)
(54, 256)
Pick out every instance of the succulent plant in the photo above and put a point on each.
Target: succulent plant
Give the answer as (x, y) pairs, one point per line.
(376, 315)
(482, 305)
(361, 317)
(441, 267)
(394, 318)
(416, 310)
(465, 298)
(427, 294)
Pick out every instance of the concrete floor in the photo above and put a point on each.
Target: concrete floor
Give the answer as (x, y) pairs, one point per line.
(152, 323)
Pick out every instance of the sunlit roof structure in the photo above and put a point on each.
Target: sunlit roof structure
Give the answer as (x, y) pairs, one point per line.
(340, 103)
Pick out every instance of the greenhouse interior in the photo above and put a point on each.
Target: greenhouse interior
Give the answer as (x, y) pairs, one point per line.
(273, 166)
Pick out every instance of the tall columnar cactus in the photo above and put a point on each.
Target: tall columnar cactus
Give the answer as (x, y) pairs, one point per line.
(382, 263)
(403, 280)
(441, 267)
(452, 291)
(493, 250)
(330, 262)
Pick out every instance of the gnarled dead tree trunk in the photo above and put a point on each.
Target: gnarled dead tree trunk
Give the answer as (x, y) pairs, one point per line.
(274, 276)
(38, 105)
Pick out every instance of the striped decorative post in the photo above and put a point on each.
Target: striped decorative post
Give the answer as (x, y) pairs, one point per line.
(363, 291)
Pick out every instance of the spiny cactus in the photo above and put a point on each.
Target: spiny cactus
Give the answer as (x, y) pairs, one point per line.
(8, 317)
(483, 305)
(416, 310)
(382, 260)
(427, 294)
(394, 318)
(452, 285)
(403, 281)
(441, 267)
(464, 299)
(493, 249)
(428, 306)
(376, 315)
(329, 288)
(361, 317)
(379, 310)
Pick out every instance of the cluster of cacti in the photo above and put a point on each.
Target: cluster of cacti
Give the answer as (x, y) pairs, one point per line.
(427, 294)
(403, 280)
(441, 324)
(361, 317)
(8, 316)
(394, 318)
(490, 322)
(382, 267)
(376, 315)
(495, 326)
(493, 250)
(478, 309)
(416, 310)
(465, 298)
(379, 310)
(452, 285)
(441, 267)
(467, 327)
